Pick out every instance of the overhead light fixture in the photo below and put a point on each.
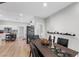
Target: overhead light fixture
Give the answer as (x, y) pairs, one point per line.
(45, 4)
(20, 14)
(0, 14)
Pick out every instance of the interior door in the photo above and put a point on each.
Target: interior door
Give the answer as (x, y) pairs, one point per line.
(21, 32)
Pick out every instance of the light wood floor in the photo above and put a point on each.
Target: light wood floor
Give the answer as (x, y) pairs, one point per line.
(17, 48)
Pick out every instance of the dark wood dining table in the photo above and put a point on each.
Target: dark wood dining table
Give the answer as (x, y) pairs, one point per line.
(47, 52)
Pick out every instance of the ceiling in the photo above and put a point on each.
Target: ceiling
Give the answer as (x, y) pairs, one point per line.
(30, 9)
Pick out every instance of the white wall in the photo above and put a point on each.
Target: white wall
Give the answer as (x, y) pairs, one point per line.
(40, 27)
(66, 20)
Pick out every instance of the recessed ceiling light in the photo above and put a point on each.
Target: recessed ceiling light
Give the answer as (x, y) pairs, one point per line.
(0, 14)
(20, 14)
(45, 4)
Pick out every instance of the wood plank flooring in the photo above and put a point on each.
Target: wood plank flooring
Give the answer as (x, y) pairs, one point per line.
(17, 48)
